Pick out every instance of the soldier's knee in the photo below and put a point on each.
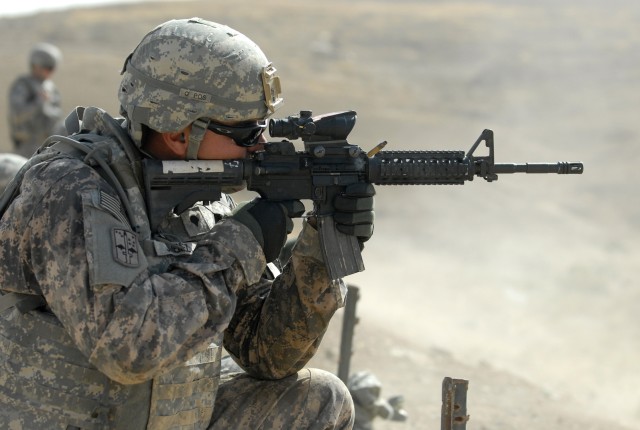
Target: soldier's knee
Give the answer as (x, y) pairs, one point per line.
(332, 398)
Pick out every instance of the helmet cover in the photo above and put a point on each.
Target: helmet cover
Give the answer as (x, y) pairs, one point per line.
(45, 55)
(191, 69)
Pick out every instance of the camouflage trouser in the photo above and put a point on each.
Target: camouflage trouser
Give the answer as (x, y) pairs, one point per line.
(311, 399)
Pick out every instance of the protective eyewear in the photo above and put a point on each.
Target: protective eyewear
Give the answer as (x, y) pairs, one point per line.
(243, 135)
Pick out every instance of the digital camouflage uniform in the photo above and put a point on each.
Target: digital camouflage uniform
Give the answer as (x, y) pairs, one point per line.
(130, 334)
(35, 110)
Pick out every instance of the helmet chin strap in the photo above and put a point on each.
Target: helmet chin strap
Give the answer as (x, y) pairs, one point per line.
(198, 129)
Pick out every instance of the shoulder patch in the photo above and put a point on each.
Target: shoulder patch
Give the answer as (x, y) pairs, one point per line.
(113, 206)
(125, 247)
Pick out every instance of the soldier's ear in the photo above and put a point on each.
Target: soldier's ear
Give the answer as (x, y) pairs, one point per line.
(176, 143)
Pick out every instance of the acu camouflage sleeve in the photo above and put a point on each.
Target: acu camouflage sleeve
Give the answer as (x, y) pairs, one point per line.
(278, 325)
(130, 321)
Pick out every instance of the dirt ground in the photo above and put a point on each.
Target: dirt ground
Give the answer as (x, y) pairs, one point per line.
(527, 286)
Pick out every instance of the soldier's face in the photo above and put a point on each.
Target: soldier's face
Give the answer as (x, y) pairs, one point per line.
(41, 72)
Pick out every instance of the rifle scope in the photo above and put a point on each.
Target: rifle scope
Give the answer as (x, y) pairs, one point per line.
(330, 126)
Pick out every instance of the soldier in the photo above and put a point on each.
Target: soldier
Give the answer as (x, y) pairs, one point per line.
(34, 101)
(9, 166)
(108, 323)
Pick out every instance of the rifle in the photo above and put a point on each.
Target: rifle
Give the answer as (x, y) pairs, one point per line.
(327, 164)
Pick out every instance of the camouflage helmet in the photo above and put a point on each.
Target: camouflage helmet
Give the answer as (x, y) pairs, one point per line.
(45, 55)
(191, 71)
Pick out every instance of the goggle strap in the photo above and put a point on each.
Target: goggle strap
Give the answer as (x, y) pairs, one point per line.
(198, 129)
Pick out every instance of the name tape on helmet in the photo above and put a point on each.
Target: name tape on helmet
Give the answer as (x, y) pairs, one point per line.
(195, 95)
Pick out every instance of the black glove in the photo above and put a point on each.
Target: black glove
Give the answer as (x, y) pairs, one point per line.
(269, 221)
(353, 213)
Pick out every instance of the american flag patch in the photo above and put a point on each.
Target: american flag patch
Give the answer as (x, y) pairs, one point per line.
(113, 206)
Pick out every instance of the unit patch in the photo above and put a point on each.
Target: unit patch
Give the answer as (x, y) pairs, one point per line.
(125, 247)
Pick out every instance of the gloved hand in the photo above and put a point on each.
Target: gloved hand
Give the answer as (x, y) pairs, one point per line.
(353, 213)
(269, 221)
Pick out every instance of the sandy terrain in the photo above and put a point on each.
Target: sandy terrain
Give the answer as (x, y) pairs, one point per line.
(525, 286)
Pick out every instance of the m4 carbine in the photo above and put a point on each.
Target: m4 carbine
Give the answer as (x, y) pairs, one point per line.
(319, 173)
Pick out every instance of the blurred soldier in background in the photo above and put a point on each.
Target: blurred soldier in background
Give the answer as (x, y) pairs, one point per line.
(9, 166)
(107, 321)
(34, 101)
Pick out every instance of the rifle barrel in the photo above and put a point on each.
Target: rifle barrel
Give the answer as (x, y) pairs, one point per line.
(561, 168)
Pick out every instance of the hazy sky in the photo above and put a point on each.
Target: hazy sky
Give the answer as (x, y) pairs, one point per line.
(12, 8)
